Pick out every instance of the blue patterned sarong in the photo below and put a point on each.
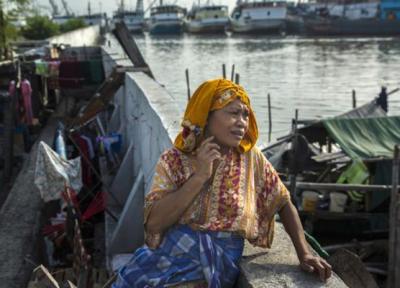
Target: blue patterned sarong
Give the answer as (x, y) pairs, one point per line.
(185, 256)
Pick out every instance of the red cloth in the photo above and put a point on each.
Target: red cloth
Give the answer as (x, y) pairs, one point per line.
(87, 174)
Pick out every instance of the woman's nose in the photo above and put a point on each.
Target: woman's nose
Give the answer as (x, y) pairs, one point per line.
(241, 121)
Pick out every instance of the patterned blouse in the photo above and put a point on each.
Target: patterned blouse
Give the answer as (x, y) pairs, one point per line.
(243, 196)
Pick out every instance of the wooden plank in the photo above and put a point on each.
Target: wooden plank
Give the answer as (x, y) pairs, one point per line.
(102, 97)
(127, 42)
(329, 156)
(394, 226)
(44, 278)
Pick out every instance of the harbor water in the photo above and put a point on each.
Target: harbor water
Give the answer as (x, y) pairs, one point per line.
(314, 75)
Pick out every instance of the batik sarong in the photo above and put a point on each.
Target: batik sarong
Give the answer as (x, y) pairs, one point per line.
(185, 256)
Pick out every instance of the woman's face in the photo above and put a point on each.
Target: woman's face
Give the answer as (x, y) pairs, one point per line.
(229, 124)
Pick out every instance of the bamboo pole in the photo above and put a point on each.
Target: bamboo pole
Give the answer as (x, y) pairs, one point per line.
(394, 226)
(223, 71)
(354, 98)
(187, 83)
(269, 118)
(233, 72)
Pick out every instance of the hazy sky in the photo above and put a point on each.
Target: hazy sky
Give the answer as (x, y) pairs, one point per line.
(108, 6)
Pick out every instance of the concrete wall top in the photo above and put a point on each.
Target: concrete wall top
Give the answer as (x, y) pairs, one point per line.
(81, 37)
(163, 103)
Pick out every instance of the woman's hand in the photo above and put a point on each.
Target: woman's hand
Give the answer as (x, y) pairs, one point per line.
(207, 152)
(311, 263)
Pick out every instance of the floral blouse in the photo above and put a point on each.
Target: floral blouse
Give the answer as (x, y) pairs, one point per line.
(243, 196)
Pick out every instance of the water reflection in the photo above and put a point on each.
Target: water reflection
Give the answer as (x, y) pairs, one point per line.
(315, 75)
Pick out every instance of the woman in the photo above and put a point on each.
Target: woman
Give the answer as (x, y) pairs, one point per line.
(211, 191)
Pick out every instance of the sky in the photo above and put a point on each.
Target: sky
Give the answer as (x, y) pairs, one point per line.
(80, 6)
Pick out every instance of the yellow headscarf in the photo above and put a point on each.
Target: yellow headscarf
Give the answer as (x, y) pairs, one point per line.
(213, 95)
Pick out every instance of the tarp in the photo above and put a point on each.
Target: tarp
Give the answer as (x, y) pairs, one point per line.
(363, 138)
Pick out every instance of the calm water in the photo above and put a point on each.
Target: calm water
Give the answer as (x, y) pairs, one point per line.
(314, 75)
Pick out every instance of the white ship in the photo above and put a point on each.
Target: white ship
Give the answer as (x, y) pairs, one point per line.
(259, 17)
(207, 19)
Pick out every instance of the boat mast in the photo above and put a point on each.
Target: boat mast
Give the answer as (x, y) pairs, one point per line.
(139, 6)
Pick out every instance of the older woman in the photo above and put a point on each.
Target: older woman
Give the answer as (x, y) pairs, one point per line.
(211, 191)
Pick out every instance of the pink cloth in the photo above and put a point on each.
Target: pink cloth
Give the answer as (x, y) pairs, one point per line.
(26, 91)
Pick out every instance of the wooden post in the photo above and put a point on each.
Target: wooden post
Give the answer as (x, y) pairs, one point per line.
(354, 99)
(233, 72)
(127, 42)
(187, 83)
(223, 71)
(269, 118)
(237, 78)
(292, 175)
(394, 226)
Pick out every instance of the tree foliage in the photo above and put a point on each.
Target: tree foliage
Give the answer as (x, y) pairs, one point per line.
(72, 24)
(39, 27)
(7, 31)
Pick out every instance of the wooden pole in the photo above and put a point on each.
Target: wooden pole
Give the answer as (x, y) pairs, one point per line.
(233, 72)
(223, 71)
(354, 99)
(269, 118)
(292, 175)
(341, 187)
(187, 83)
(394, 225)
(237, 78)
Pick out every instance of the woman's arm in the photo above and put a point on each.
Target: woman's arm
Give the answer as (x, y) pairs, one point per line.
(308, 262)
(167, 211)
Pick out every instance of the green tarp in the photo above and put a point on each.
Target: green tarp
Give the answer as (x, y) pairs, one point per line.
(364, 138)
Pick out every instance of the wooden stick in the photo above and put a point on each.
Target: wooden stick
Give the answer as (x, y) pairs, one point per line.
(187, 83)
(269, 118)
(233, 72)
(393, 91)
(223, 71)
(237, 78)
(354, 99)
(394, 226)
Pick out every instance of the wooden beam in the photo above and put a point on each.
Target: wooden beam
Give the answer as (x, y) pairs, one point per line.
(100, 100)
(129, 45)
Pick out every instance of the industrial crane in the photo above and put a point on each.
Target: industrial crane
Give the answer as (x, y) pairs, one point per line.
(54, 8)
(66, 8)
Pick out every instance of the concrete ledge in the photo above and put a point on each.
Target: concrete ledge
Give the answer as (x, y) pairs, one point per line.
(278, 267)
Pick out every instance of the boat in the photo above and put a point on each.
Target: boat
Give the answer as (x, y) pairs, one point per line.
(363, 19)
(259, 17)
(95, 19)
(166, 19)
(133, 19)
(207, 19)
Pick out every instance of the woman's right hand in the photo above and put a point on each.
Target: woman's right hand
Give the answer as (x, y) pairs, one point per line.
(207, 152)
